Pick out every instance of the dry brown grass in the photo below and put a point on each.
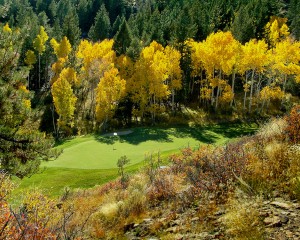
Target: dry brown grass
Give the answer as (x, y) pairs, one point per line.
(242, 219)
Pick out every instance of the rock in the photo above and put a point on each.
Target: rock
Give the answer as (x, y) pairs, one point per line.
(281, 205)
(289, 234)
(161, 219)
(128, 227)
(272, 221)
(147, 220)
(276, 194)
(136, 225)
(284, 219)
(296, 205)
(172, 230)
(203, 235)
(195, 219)
(220, 212)
(175, 223)
(264, 214)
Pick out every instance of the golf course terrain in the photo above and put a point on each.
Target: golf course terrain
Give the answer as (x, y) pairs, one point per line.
(91, 160)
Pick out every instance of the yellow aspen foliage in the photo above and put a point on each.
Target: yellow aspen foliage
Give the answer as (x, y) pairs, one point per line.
(205, 93)
(23, 89)
(286, 56)
(246, 87)
(57, 67)
(148, 86)
(197, 53)
(125, 66)
(254, 56)
(6, 28)
(30, 58)
(221, 50)
(70, 75)
(227, 94)
(96, 56)
(26, 104)
(271, 93)
(109, 91)
(61, 49)
(173, 68)
(276, 30)
(64, 100)
(40, 40)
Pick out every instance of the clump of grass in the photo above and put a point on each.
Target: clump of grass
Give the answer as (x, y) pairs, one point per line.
(275, 128)
(242, 219)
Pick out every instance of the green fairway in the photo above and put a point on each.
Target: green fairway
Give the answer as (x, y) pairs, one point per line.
(102, 152)
(91, 160)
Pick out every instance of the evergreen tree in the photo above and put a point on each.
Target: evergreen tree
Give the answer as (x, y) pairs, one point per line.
(22, 146)
(70, 27)
(101, 28)
(294, 18)
(116, 25)
(123, 39)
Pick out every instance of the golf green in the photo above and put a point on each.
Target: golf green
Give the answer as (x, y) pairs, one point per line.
(102, 152)
(91, 160)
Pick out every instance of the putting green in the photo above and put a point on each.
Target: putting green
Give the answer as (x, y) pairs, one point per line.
(86, 160)
(102, 152)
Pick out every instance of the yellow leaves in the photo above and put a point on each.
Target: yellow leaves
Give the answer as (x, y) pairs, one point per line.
(205, 93)
(173, 67)
(26, 104)
(98, 54)
(23, 89)
(70, 75)
(61, 49)
(285, 57)
(271, 93)
(125, 66)
(30, 58)
(276, 30)
(254, 56)
(246, 87)
(220, 52)
(6, 28)
(40, 40)
(109, 91)
(64, 100)
(227, 94)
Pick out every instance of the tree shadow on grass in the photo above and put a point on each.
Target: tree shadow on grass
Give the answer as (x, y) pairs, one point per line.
(233, 130)
(157, 134)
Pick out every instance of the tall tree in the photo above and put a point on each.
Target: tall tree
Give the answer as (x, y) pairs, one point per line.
(108, 94)
(22, 146)
(122, 39)
(101, 27)
(39, 45)
(70, 26)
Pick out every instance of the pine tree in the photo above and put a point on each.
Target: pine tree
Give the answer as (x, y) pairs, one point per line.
(116, 25)
(101, 28)
(70, 27)
(22, 146)
(122, 39)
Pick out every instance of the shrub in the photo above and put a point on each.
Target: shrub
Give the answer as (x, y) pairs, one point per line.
(161, 188)
(293, 125)
(242, 219)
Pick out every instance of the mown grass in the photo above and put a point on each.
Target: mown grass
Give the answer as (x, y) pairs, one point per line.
(91, 160)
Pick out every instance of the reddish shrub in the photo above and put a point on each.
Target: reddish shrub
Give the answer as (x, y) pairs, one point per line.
(293, 125)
